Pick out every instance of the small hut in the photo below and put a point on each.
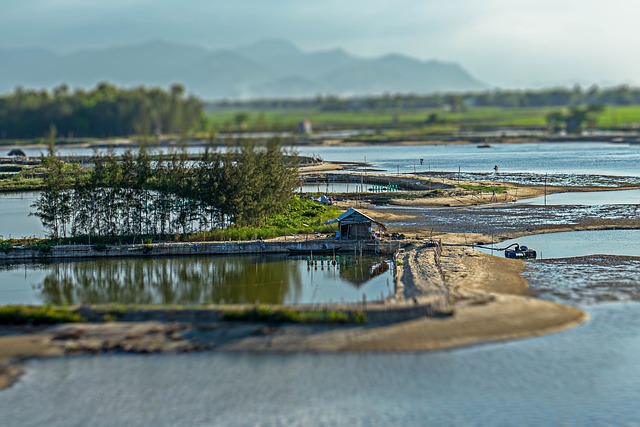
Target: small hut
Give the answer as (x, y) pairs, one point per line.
(16, 152)
(354, 225)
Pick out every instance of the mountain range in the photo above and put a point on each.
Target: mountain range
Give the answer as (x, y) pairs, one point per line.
(265, 69)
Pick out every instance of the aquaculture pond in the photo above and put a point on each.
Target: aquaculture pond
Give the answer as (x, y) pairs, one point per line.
(199, 280)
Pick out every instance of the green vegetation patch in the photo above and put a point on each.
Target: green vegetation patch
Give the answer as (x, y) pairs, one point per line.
(300, 216)
(19, 183)
(286, 315)
(31, 315)
(497, 189)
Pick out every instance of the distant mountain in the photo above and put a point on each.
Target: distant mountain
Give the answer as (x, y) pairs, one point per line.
(268, 68)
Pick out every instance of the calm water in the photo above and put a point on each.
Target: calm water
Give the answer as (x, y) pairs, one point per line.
(547, 157)
(558, 157)
(587, 376)
(579, 243)
(197, 280)
(588, 198)
(14, 216)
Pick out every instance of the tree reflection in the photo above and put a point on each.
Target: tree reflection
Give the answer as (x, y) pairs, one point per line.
(204, 280)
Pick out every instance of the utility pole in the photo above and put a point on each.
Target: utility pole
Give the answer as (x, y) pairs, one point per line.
(545, 190)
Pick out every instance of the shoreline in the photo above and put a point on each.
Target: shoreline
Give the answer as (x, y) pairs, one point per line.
(488, 304)
(476, 299)
(452, 139)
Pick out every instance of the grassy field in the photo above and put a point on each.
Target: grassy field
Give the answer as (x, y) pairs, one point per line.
(396, 122)
(613, 117)
(478, 117)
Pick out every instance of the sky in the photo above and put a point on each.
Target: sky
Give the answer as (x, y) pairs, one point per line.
(504, 43)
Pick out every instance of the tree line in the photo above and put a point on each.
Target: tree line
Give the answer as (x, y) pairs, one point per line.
(105, 111)
(516, 98)
(137, 195)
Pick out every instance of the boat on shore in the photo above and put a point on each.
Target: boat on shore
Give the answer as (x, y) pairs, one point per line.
(522, 252)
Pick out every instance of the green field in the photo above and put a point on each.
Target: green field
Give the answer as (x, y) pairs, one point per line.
(415, 120)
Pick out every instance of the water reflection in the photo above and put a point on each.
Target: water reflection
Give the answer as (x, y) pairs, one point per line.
(199, 280)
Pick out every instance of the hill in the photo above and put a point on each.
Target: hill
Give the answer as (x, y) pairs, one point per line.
(265, 69)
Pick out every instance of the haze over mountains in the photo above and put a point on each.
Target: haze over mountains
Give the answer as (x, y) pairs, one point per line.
(265, 69)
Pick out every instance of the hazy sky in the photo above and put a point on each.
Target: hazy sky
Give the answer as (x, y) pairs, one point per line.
(501, 42)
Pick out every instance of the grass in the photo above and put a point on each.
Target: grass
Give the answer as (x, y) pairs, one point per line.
(613, 117)
(31, 315)
(285, 315)
(18, 183)
(48, 315)
(499, 189)
(446, 121)
(407, 123)
(301, 217)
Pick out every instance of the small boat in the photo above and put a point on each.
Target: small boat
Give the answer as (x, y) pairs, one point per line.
(485, 145)
(518, 251)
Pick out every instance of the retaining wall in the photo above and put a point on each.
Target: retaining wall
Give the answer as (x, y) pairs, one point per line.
(197, 248)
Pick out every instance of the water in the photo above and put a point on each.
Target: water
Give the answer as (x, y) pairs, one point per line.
(587, 198)
(560, 379)
(539, 158)
(14, 216)
(547, 157)
(589, 375)
(197, 280)
(583, 163)
(585, 280)
(338, 187)
(579, 243)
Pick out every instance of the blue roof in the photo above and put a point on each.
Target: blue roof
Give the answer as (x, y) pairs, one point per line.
(347, 214)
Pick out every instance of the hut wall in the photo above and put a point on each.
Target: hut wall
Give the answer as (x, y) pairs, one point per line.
(358, 231)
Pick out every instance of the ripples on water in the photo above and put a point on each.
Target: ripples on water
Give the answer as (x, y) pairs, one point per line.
(585, 280)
